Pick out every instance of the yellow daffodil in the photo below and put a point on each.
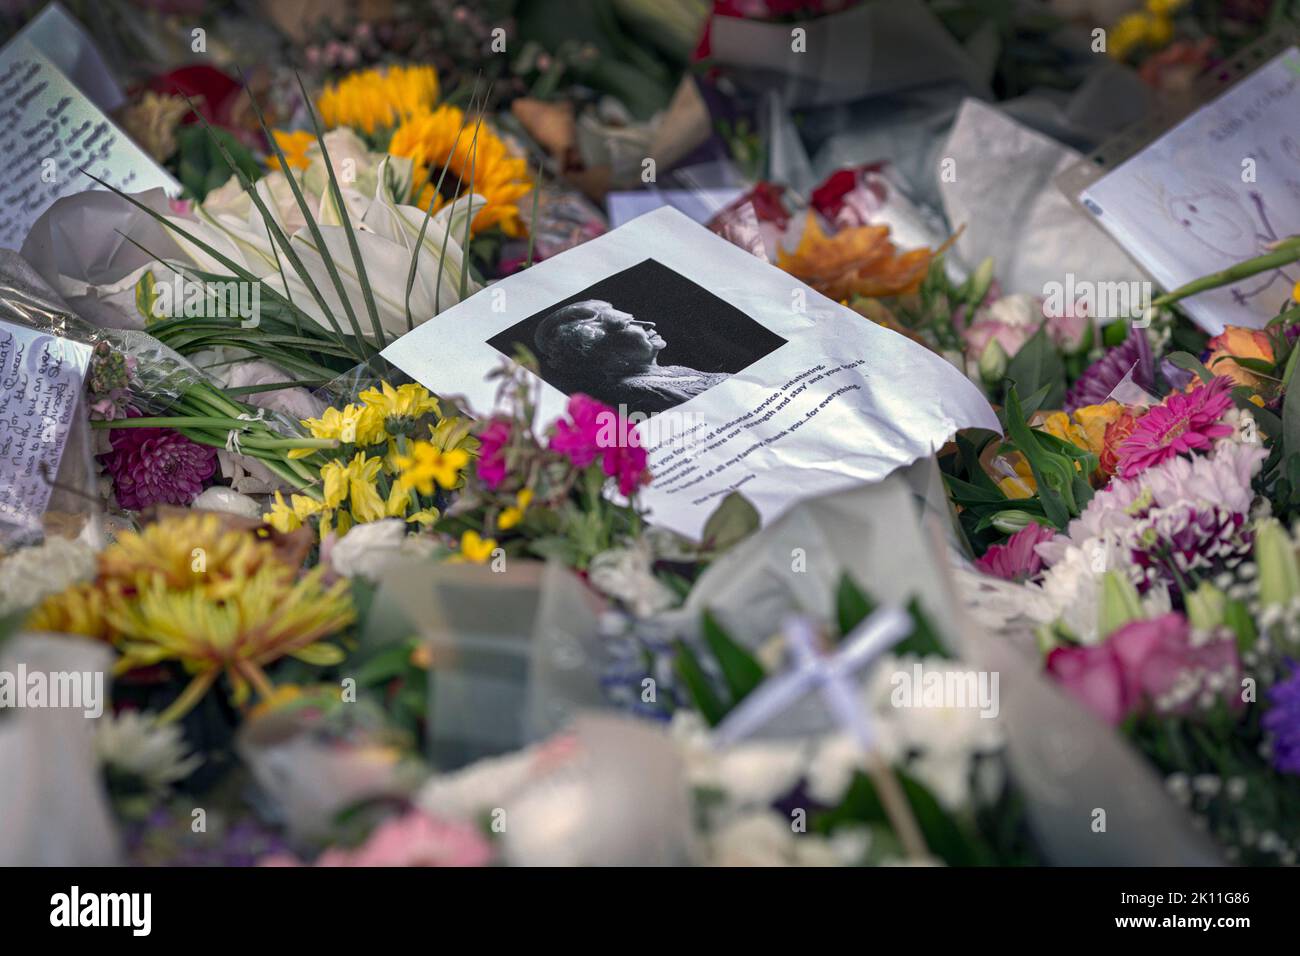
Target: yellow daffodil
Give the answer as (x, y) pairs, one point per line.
(374, 99)
(334, 474)
(364, 500)
(426, 465)
(399, 499)
(441, 137)
(515, 513)
(399, 408)
(425, 517)
(294, 146)
(289, 517)
(352, 425)
(475, 549)
(454, 432)
(281, 516)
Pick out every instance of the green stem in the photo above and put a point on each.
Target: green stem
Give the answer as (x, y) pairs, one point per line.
(1287, 251)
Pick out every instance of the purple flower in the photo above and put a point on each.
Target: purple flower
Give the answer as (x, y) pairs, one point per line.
(156, 466)
(1283, 722)
(1100, 378)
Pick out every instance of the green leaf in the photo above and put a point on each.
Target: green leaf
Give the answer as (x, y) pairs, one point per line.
(1038, 365)
(1291, 415)
(741, 671)
(322, 654)
(924, 639)
(732, 521)
(688, 669)
(852, 605)
(1190, 363)
(944, 837)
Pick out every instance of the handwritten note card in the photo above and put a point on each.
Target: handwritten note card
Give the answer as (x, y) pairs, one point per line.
(40, 386)
(49, 132)
(1219, 187)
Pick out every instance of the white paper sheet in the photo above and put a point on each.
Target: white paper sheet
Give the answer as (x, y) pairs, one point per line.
(797, 395)
(58, 35)
(49, 132)
(1214, 190)
(40, 389)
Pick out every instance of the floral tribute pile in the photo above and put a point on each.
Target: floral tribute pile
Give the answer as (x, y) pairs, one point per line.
(268, 501)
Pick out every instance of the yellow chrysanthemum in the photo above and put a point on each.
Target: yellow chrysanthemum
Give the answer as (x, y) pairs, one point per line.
(374, 99)
(474, 548)
(426, 464)
(78, 610)
(185, 551)
(294, 146)
(351, 425)
(434, 139)
(515, 513)
(270, 615)
(399, 408)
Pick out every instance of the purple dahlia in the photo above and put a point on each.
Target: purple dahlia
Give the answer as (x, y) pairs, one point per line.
(1101, 377)
(153, 466)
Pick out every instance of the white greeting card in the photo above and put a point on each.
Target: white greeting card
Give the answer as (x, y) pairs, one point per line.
(1217, 188)
(49, 132)
(65, 42)
(740, 376)
(41, 377)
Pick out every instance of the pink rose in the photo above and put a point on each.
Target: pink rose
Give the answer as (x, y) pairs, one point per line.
(1148, 666)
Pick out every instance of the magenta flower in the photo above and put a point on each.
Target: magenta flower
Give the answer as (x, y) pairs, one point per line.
(1149, 666)
(415, 839)
(594, 430)
(153, 466)
(492, 458)
(1182, 423)
(1016, 558)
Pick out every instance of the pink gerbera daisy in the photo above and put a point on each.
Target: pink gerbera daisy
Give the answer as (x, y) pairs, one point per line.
(1183, 422)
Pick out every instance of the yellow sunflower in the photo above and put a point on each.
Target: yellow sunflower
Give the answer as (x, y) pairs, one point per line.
(370, 100)
(429, 139)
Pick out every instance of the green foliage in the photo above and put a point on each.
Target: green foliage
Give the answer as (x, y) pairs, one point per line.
(201, 167)
(1039, 366)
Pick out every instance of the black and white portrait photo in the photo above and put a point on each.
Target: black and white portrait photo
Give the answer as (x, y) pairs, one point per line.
(646, 338)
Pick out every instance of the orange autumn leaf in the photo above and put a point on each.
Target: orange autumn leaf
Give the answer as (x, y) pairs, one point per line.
(860, 260)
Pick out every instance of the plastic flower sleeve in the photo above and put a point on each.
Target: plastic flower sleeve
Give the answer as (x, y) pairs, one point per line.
(514, 650)
(53, 808)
